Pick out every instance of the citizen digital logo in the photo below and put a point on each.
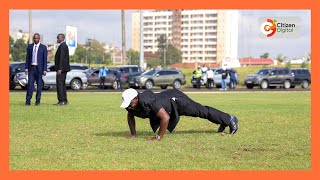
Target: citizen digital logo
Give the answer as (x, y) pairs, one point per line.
(271, 27)
(285, 27)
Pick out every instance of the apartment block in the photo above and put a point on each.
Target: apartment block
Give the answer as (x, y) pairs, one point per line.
(203, 36)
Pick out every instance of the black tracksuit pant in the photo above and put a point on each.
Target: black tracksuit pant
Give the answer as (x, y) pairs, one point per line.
(188, 107)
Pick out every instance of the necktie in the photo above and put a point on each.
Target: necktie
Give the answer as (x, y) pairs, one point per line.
(34, 53)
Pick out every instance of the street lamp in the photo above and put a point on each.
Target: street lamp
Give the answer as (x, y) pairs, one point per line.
(89, 41)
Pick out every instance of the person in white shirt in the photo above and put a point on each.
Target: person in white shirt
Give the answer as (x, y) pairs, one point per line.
(209, 78)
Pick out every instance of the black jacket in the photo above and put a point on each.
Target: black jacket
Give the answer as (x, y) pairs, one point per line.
(150, 103)
(61, 59)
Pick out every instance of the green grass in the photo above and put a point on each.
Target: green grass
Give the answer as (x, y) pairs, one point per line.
(90, 134)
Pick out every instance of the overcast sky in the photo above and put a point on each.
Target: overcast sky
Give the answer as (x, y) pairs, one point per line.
(105, 26)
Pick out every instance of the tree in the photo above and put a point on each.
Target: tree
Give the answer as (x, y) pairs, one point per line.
(134, 57)
(281, 58)
(174, 55)
(265, 55)
(80, 54)
(18, 50)
(162, 47)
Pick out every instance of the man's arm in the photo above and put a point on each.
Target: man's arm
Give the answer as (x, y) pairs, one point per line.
(164, 121)
(27, 61)
(132, 124)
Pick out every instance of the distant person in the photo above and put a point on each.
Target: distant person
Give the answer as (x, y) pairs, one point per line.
(209, 78)
(118, 74)
(233, 81)
(164, 110)
(62, 65)
(198, 75)
(224, 75)
(204, 68)
(102, 75)
(35, 68)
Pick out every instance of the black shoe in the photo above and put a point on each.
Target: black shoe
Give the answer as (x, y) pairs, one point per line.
(37, 103)
(221, 128)
(27, 104)
(233, 125)
(62, 103)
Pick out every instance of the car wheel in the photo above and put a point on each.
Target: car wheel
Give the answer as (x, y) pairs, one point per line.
(163, 87)
(176, 84)
(149, 84)
(194, 86)
(24, 87)
(115, 85)
(305, 84)
(75, 84)
(249, 86)
(12, 85)
(44, 87)
(264, 84)
(287, 84)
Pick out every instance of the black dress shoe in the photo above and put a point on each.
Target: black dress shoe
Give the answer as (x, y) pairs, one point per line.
(221, 128)
(27, 104)
(37, 104)
(233, 125)
(62, 103)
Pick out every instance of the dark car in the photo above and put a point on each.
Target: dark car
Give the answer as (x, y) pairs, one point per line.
(301, 77)
(159, 77)
(270, 78)
(16, 67)
(129, 71)
(94, 80)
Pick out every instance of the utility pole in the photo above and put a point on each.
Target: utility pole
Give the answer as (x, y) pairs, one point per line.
(30, 26)
(124, 56)
(141, 41)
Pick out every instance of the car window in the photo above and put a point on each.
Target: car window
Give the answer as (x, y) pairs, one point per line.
(73, 67)
(286, 71)
(263, 71)
(171, 72)
(52, 68)
(125, 70)
(162, 73)
(150, 72)
(134, 69)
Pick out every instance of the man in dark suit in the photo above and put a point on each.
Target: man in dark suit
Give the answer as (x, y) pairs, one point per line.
(62, 65)
(36, 66)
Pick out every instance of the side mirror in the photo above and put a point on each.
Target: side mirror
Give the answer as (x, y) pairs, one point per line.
(157, 75)
(17, 70)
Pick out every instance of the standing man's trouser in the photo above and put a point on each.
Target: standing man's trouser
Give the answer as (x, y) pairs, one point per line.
(61, 87)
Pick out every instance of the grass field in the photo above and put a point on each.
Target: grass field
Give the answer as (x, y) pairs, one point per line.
(91, 134)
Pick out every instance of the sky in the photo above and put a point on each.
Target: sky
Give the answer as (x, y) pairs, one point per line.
(105, 26)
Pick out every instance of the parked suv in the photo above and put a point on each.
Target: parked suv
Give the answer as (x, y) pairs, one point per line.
(270, 78)
(159, 77)
(129, 71)
(301, 77)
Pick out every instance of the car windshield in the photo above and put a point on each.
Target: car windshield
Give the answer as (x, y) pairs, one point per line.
(14, 66)
(263, 71)
(150, 72)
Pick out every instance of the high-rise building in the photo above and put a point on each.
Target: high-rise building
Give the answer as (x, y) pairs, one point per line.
(204, 36)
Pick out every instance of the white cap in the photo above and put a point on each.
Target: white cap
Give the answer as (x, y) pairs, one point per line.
(127, 97)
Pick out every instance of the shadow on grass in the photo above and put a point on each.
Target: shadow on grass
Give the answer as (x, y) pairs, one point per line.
(148, 133)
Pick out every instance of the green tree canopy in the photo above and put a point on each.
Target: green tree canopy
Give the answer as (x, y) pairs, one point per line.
(18, 50)
(265, 55)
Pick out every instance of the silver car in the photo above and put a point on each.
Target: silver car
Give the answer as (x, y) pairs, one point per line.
(159, 77)
(76, 78)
